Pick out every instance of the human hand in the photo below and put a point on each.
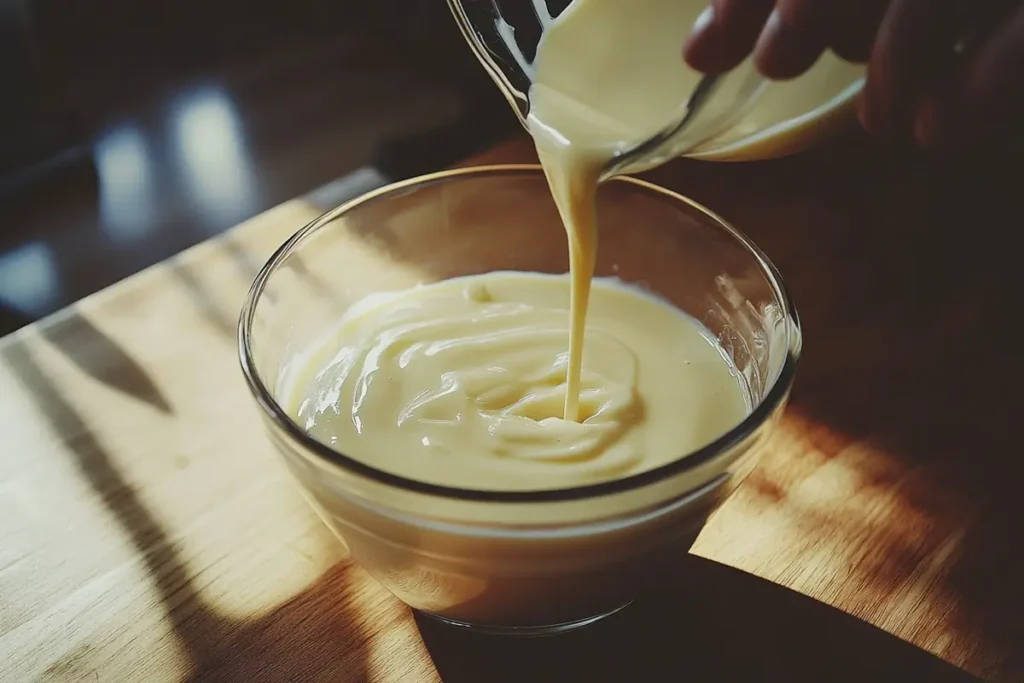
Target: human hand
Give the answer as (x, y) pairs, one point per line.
(949, 72)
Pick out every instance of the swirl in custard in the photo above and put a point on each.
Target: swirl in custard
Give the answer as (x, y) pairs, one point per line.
(463, 382)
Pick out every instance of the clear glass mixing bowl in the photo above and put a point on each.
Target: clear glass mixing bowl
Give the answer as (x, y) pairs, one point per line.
(532, 561)
(742, 118)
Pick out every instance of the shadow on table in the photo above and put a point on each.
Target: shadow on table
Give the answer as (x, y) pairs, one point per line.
(909, 295)
(203, 295)
(309, 637)
(100, 357)
(737, 627)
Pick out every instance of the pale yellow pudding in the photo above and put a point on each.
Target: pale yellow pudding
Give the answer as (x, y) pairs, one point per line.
(463, 383)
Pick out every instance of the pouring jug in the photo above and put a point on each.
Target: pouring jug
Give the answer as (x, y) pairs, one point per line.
(733, 116)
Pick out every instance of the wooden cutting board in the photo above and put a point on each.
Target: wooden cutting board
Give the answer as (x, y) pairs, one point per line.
(149, 533)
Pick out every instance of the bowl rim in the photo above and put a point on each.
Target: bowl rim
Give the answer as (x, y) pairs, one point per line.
(280, 419)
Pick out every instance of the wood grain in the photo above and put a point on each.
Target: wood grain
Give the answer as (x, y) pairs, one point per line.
(148, 532)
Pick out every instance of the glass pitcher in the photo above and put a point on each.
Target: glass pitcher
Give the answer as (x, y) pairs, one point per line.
(731, 117)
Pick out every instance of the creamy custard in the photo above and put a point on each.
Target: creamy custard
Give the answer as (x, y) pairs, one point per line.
(609, 74)
(463, 383)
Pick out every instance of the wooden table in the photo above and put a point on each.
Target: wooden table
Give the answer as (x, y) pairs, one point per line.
(149, 533)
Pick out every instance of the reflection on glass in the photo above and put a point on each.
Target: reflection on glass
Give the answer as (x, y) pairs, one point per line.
(127, 198)
(214, 161)
(29, 281)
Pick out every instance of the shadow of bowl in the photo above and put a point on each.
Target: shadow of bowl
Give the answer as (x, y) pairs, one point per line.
(721, 624)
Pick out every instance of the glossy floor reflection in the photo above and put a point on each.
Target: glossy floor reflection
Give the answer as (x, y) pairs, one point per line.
(189, 161)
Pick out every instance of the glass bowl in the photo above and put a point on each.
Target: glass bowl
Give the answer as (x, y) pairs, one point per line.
(518, 562)
(745, 118)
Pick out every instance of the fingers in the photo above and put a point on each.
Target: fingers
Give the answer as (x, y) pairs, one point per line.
(916, 80)
(986, 98)
(725, 33)
(854, 28)
(914, 45)
(786, 36)
(796, 34)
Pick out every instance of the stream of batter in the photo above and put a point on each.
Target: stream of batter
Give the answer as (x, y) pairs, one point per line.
(608, 75)
(526, 381)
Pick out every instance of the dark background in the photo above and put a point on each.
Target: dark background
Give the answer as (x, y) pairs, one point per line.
(131, 130)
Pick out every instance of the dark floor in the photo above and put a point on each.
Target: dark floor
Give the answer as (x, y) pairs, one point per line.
(193, 156)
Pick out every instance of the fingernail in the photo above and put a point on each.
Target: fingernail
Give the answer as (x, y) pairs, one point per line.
(701, 51)
(772, 31)
(705, 19)
(866, 115)
(770, 48)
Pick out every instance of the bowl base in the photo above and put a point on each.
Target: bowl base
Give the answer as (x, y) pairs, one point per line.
(524, 631)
